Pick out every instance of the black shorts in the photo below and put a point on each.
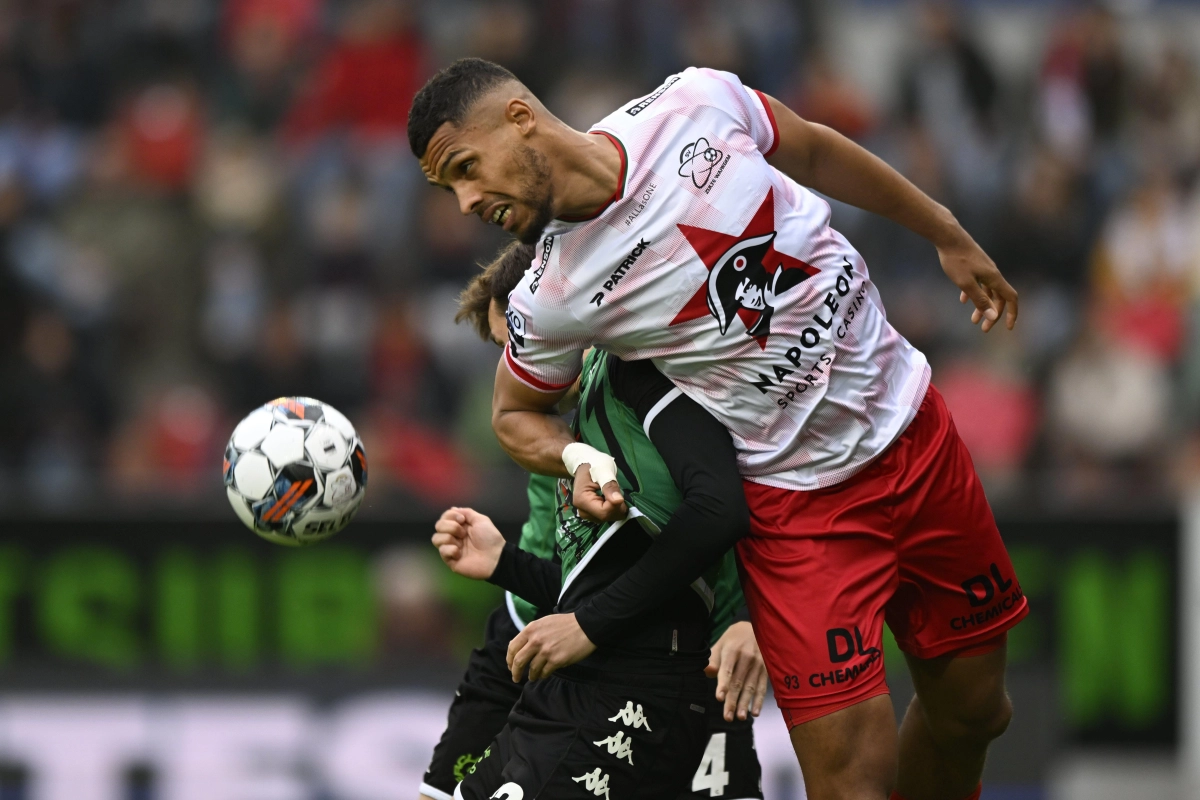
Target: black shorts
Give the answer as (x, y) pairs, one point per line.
(729, 766)
(482, 702)
(582, 733)
(487, 694)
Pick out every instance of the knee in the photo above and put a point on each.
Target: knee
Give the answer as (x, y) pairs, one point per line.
(980, 722)
(995, 723)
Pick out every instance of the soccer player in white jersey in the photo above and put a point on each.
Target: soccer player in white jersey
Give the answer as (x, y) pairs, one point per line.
(684, 228)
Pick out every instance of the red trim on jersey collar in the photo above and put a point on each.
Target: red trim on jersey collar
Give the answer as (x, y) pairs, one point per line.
(619, 193)
(524, 377)
(774, 127)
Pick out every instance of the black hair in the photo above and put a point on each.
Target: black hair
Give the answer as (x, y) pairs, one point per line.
(449, 95)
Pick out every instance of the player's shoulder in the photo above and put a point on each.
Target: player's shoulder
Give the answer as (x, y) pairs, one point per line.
(541, 301)
(694, 86)
(543, 252)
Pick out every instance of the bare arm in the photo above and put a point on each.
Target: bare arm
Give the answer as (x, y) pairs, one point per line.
(528, 426)
(822, 159)
(530, 430)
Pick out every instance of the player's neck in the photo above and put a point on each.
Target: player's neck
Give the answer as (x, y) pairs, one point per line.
(589, 173)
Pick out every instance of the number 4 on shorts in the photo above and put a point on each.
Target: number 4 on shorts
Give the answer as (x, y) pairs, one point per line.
(711, 773)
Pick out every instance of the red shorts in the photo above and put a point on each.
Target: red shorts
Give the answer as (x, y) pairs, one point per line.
(910, 540)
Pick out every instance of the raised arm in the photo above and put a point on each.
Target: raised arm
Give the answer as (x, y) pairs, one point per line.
(822, 159)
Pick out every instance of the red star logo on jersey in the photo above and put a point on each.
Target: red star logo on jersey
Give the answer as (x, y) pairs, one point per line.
(746, 274)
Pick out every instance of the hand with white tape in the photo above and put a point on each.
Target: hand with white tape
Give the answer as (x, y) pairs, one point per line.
(596, 495)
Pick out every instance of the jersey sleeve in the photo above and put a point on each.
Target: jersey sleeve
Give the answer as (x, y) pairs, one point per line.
(749, 107)
(545, 347)
(537, 580)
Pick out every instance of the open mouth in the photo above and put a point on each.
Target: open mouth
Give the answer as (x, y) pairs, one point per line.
(501, 215)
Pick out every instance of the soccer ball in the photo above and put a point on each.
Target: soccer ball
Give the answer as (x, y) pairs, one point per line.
(295, 471)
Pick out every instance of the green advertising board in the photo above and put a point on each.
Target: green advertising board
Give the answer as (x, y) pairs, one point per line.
(181, 605)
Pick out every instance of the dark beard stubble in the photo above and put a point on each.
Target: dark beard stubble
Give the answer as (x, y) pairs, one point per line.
(535, 192)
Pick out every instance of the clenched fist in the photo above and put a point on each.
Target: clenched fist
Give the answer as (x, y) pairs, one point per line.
(468, 542)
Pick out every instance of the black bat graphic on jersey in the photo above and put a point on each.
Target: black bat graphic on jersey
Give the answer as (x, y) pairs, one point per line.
(746, 274)
(740, 280)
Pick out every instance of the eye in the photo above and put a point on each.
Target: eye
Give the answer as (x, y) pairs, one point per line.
(466, 167)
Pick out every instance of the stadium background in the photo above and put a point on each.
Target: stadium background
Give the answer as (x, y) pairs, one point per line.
(205, 205)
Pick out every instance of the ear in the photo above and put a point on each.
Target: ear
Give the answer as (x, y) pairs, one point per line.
(521, 114)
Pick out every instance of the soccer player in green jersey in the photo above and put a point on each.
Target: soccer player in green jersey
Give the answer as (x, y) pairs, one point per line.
(591, 556)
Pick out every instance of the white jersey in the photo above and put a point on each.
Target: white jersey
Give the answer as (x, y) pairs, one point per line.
(726, 273)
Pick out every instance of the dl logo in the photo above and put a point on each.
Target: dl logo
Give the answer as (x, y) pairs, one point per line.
(981, 589)
(843, 645)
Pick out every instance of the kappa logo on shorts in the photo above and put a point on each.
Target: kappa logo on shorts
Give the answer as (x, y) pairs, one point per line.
(632, 718)
(618, 746)
(594, 783)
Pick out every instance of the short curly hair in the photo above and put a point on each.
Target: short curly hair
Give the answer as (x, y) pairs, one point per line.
(449, 95)
(496, 282)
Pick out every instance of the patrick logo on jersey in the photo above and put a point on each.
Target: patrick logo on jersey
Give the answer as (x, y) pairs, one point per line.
(746, 274)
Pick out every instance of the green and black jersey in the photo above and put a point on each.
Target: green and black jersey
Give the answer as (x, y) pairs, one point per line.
(537, 537)
(592, 555)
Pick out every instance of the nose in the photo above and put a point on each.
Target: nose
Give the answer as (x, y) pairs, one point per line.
(468, 201)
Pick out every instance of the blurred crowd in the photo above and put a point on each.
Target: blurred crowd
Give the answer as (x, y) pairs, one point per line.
(205, 205)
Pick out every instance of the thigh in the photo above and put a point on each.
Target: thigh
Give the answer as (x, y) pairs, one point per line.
(527, 750)
(674, 766)
(482, 702)
(729, 765)
(850, 753)
(817, 571)
(957, 585)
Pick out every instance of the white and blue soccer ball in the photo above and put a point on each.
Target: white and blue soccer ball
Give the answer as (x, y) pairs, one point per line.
(295, 471)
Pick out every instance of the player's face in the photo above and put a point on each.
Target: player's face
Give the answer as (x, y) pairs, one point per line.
(750, 295)
(497, 323)
(494, 174)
